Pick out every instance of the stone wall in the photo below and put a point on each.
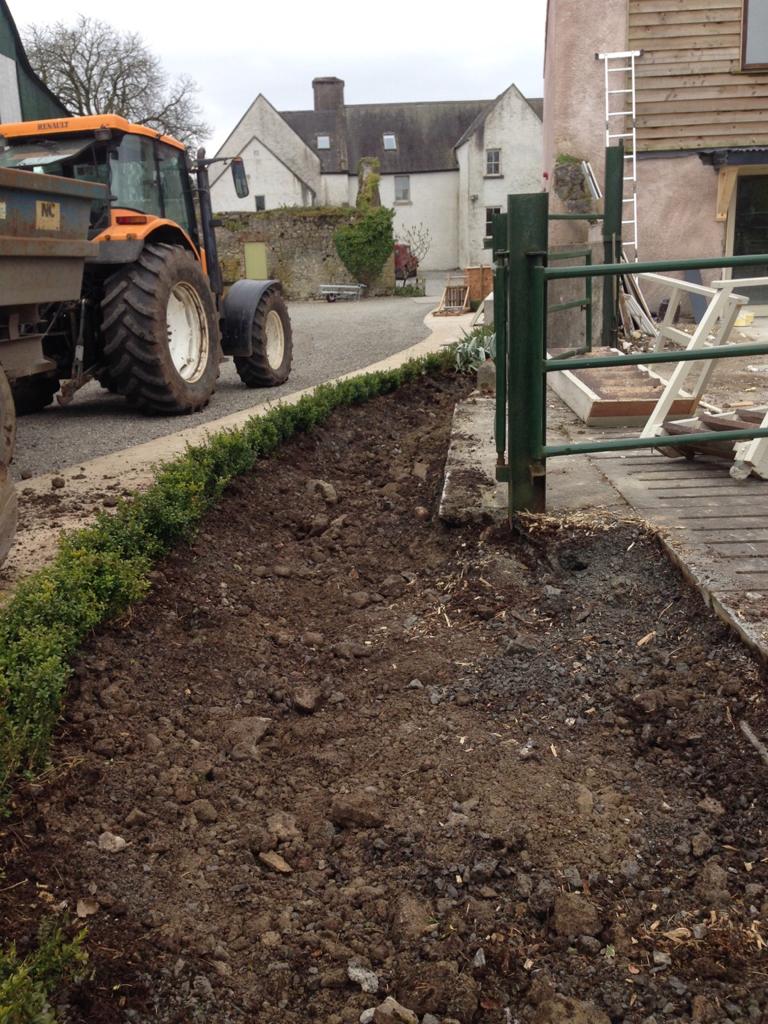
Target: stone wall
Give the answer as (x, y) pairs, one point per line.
(300, 249)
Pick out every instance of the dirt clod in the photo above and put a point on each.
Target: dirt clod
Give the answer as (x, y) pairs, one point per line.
(575, 915)
(110, 843)
(356, 810)
(307, 699)
(204, 811)
(391, 1012)
(276, 863)
(564, 1010)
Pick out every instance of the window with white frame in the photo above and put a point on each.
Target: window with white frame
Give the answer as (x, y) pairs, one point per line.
(493, 161)
(490, 213)
(390, 140)
(323, 141)
(261, 203)
(754, 35)
(402, 188)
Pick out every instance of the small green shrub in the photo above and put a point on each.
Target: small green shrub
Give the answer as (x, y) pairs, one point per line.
(102, 569)
(410, 291)
(27, 985)
(475, 347)
(365, 245)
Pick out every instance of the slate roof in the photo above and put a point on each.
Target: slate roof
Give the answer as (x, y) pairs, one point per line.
(426, 133)
(537, 106)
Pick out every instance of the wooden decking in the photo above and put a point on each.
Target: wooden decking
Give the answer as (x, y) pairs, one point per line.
(715, 528)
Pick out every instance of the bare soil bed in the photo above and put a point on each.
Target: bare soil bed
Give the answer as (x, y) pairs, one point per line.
(343, 752)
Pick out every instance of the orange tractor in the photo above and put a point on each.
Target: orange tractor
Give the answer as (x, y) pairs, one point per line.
(151, 322)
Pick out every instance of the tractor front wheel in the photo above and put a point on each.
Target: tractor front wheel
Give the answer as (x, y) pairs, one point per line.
(160, 332)
(272, 340)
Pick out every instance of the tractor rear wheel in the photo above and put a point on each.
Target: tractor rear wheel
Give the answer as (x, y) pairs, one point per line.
(33, 393)
(272, 339)
(160, 332)
(8, 498)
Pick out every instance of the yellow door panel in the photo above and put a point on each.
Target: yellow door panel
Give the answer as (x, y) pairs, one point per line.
(255, 261)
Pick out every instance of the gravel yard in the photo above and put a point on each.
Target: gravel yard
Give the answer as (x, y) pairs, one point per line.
(329, 339)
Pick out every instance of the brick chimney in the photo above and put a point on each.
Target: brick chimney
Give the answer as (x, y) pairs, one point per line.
(329, 93)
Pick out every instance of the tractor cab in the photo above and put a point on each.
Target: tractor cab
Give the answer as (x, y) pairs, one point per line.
(147, 175)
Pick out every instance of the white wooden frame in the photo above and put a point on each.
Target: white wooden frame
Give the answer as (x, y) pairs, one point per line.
(718, 320)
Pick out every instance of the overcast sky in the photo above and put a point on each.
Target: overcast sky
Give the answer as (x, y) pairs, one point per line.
(386, 53)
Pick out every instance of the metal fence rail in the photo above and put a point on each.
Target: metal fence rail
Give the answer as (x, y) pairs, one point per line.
(522, 276)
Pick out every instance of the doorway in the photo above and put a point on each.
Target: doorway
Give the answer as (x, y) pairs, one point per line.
(750, 232)
(256, 261)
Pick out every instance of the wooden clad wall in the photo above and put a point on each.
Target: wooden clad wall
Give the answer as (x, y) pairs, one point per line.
(691, 93)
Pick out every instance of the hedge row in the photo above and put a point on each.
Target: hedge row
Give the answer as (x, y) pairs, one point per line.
(102, 569)
(27, 984)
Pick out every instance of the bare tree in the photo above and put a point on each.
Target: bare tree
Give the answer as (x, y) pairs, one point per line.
(96, 69)
(418, 238)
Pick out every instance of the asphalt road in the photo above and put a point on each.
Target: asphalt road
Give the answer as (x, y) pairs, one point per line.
(329, 339)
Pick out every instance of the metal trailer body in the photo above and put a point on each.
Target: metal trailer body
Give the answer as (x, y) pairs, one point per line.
(44, 244)
(44, 223)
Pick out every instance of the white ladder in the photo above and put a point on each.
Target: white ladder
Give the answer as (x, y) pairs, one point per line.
(619, 70)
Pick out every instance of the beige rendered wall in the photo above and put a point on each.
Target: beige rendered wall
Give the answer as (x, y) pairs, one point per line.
(574, 105)
(677, 206)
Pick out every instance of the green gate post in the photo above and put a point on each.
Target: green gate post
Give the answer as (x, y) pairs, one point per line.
(501, 269)
(527, 231)
(612, 217)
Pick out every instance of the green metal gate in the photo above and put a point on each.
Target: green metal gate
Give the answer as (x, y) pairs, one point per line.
(522, 274)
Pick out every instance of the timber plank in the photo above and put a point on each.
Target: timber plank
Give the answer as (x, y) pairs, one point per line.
(688, 90)
(725, 102)
(705, 119)
(678, 37)
(750, 134)
(658, 6)
(663, 5)
(687, 75)
(736, 549)
(679, 54)
(679, 146)
(643, 19)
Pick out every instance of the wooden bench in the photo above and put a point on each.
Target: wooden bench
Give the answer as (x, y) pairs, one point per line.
(332, 292)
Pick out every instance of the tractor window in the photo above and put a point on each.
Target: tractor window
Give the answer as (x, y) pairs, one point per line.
(174, 179)
(135, 184)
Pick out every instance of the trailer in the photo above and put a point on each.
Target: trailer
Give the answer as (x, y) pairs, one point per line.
(44, 224)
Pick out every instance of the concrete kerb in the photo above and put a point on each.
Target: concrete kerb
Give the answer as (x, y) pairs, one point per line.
(134, 468)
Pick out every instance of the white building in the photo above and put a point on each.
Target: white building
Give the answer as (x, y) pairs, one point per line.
(446, 165)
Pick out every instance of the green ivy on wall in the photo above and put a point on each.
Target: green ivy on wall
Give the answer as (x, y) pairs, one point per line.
(365, 245)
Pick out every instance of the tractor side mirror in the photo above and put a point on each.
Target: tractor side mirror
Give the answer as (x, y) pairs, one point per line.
(239, 178)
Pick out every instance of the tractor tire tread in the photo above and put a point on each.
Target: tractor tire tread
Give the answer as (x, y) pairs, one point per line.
(136, 355)
(255, 370)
